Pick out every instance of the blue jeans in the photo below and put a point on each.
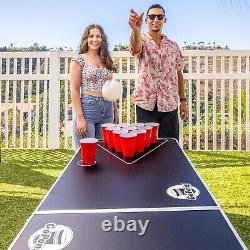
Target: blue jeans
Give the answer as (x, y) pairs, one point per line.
(96, 111)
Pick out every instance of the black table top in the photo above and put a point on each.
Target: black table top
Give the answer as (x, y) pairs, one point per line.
(187, 230)
(160, 186)
(112, 183)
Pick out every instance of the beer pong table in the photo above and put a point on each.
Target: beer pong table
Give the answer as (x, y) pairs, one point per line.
(159, 186)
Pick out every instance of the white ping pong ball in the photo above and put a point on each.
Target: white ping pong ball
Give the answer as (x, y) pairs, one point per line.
(112, 90)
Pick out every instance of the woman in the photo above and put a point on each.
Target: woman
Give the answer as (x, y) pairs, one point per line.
(89, 70)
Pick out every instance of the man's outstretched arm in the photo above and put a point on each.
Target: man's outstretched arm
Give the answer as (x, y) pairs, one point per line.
(135, 22)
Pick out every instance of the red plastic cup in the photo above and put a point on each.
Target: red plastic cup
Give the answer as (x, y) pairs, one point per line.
(155, 129)
(110, 138)
(137, 125)
(117, 140)
(131, 128)
(140, 140)
(104, 133)
(122, 125)
(128, 141)
(148, 135)
(88, 151)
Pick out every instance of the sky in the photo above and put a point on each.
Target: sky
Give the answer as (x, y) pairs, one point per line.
(60, 23)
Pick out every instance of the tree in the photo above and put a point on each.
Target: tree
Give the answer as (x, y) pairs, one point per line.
(202, 46)
(121, 47)
(34, 47)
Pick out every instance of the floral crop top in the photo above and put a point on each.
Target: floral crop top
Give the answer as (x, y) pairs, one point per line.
(93, 78)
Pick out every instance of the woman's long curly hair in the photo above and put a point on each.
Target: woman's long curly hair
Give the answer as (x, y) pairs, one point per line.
(103, 51)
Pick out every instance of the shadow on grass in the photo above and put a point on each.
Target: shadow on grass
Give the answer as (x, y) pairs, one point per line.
(19, 167)
(14, 212)
(218, 159)
(241, 224)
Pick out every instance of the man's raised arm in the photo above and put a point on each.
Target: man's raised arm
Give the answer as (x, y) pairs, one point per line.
(135, 22)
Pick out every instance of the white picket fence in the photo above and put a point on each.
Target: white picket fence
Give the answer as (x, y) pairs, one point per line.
(35, 105)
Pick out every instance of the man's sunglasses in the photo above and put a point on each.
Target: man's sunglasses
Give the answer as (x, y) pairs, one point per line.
(159, 17)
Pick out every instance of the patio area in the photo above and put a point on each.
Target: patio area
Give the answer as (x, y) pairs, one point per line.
(36, 121)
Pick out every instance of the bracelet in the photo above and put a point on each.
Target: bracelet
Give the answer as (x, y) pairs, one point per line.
(184, 99)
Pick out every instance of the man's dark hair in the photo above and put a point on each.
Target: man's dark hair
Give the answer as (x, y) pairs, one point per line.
(156, 6)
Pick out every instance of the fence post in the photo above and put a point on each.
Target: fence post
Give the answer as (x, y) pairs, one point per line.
(54, 100)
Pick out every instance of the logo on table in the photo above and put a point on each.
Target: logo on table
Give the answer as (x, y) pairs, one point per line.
(184, 191)
(50, 237)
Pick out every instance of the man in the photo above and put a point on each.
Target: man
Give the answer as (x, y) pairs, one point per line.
(160, 88)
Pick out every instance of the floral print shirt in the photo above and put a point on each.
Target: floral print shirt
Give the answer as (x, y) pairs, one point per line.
(158, 78)
(92, 77)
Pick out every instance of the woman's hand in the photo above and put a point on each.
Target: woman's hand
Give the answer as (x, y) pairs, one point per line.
(82, 126)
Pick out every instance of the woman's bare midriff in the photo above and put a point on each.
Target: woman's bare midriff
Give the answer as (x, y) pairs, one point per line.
(94, 93)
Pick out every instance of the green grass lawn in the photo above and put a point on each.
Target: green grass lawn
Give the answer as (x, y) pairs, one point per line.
(26, 175)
